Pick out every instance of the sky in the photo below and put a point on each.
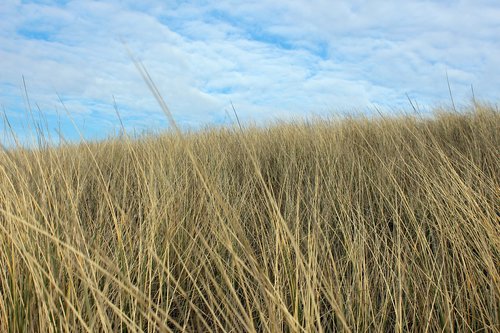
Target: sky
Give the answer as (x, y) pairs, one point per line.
(67, 62)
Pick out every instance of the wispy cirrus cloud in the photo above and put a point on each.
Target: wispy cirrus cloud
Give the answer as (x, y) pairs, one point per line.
(272, 59)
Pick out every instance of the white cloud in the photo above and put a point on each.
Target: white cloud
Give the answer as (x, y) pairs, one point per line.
(271, 58)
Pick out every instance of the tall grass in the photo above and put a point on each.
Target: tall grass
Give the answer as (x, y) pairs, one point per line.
(385, 224)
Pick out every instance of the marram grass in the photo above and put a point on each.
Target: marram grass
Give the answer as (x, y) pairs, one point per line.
(357, 225)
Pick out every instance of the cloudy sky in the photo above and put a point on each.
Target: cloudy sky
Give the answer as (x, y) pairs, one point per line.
(279, 59)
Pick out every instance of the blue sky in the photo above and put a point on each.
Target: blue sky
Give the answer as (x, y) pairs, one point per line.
(279, 59)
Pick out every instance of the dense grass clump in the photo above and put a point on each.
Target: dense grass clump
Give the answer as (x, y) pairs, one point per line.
(385, 224)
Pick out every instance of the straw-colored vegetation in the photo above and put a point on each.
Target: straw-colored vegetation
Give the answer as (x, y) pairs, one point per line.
(356, 225)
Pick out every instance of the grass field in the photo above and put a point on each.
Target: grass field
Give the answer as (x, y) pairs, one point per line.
(357, 225)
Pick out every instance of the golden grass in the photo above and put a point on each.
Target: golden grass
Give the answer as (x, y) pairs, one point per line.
(385, 224)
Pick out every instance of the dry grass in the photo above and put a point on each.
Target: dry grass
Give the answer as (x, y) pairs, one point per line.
(387, 224)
